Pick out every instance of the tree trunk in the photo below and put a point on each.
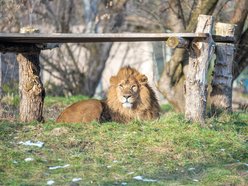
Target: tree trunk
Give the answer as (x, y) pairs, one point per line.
(241, 57)
(171, 83)
(221, 95)
(31, 89)
(172, 80)
(239, 17)
(32, 92)
(196, 77)
(99, 53)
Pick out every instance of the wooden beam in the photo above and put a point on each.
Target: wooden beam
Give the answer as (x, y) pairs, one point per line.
(89, 38)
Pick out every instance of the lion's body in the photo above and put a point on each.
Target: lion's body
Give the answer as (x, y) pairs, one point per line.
(84, 112)
(129, 98)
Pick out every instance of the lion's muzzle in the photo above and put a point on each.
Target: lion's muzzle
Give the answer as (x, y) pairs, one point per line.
(127, 101)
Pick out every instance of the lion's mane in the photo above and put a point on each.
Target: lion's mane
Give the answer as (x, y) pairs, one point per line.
(146, 106)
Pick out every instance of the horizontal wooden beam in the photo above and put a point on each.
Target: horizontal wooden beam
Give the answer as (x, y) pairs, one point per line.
(89, 38)
(19, 42)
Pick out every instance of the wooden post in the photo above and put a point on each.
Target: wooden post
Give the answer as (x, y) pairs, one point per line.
(31, 88)
(200, 54)
(221, 95)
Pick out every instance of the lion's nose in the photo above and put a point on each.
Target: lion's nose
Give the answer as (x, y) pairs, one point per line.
(126, 96)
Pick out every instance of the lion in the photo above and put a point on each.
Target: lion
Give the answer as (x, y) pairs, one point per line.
(129, 98)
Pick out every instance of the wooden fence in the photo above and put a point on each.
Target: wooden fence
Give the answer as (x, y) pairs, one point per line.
(200, 45)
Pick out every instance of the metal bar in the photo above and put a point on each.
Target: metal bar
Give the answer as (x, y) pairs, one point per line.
(85, 38)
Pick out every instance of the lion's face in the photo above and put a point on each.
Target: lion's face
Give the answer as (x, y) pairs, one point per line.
(127, 92)
(127, 88)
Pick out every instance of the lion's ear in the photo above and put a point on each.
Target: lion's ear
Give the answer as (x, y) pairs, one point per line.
(113, 80)
(142, 79)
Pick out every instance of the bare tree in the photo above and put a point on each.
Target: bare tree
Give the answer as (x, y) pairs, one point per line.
(181, 16)
(81, 75)
(172, 81)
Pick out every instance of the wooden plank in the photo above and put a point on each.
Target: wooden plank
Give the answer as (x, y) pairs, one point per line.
(107, 37)
(85, 38)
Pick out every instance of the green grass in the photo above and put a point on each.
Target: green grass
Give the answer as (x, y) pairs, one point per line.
(167, 108)
(12, 99)
(170, 150)
(62, 101)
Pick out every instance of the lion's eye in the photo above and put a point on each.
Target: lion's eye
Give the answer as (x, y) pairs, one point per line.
(121, 86)
(134, 88)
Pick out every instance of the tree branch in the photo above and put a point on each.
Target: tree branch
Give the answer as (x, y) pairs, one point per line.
(241, 59)
(203, 7)
(181, 13)
(240, 15)
(72, 58)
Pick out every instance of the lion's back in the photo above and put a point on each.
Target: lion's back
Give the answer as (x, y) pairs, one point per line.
(82, 112)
